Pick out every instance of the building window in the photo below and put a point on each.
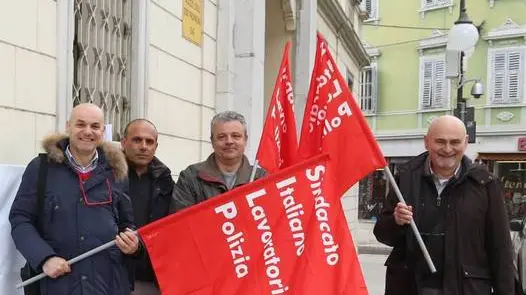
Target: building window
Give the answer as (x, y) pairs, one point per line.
(513, 177)
(433, 84)
(371, 7)
(350, 79)
(101, 53)
(368, 89)
(506, 75)
(374, 188)
(431, 4)
(371, 195)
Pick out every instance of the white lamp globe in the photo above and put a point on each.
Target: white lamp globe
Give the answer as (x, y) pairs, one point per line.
(462, 37)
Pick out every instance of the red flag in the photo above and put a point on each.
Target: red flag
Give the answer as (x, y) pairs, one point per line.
(283, 234)
(278, 146)
(334, 124)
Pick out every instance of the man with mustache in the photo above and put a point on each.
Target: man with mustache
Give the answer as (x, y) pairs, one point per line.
(150, 190)
(458, 208)
(226, 168)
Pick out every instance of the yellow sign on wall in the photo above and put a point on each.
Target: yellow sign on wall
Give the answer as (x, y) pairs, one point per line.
(193, 21)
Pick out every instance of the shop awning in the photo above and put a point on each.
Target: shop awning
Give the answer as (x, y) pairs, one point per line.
(502, 156)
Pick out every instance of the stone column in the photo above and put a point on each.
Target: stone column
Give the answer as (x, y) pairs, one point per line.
(304, 54)
(240, 64)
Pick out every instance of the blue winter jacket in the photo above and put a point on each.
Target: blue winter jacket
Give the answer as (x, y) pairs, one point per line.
(70, 225)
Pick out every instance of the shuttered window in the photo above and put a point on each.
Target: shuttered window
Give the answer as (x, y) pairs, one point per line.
(369, 89)
(426, 4)
(433, 84)
(371, 7)
(506, 75)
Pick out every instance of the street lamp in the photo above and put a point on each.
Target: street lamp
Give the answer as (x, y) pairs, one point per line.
(462, 37)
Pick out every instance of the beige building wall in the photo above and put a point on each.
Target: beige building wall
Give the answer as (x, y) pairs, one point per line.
(182, 83)
(35, 78)
(27, 77)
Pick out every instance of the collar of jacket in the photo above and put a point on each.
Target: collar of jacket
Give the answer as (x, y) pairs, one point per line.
(157, 168)
(56, 144)
(209, 171)
(468, 169)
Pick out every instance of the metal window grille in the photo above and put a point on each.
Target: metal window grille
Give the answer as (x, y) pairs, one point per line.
(101, 53)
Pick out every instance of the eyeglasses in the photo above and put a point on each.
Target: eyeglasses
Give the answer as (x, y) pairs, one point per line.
(108, 200)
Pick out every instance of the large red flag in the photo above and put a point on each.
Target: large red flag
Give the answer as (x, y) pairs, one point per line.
(334, 124)
(278, 146)
(283, 234)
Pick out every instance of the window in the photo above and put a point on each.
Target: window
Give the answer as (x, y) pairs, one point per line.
(371, 7)
(506, 75)
(368, 89)
(373, 189)
(513, 177)
(350, 80)
(371, 195)
(433, 84)
(430, 4)
(101, 54)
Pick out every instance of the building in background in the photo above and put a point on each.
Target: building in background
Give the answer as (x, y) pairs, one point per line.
(407, 86)
(129, 57)
(340, 23)
(175, 62)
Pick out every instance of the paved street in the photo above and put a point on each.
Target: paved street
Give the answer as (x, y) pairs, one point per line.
(374, 272)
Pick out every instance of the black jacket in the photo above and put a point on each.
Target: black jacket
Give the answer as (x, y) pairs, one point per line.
(478, 251)
(162, 187)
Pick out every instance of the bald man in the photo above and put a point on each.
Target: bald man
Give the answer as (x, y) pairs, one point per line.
(80, 206)
(459, 210)
(150, 189)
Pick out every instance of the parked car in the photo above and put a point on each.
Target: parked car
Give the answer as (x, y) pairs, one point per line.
(518, 237)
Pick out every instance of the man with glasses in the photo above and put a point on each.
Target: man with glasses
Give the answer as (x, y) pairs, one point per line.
(150, 190)
(226, 168)
(84, 206)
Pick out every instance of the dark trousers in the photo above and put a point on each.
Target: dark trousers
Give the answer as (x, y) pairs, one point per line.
(145, 288)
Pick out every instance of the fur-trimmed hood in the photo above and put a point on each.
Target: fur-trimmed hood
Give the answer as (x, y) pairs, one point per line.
(114, 156)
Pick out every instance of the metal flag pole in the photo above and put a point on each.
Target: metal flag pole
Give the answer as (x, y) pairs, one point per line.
(254, 168)
(70, 262)
(413, 224)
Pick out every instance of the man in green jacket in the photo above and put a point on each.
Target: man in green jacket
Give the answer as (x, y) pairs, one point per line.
(226, 168)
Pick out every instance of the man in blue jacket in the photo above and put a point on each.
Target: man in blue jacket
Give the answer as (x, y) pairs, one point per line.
(84, 207)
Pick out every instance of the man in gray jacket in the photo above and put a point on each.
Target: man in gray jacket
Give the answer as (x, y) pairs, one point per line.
(226, 168)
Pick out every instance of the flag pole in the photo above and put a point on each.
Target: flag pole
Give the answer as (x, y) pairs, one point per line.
(254, 169)
(70, 262)
(413, 224)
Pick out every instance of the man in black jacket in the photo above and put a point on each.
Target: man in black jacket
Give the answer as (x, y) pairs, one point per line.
(458, 208)
(150, 190)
